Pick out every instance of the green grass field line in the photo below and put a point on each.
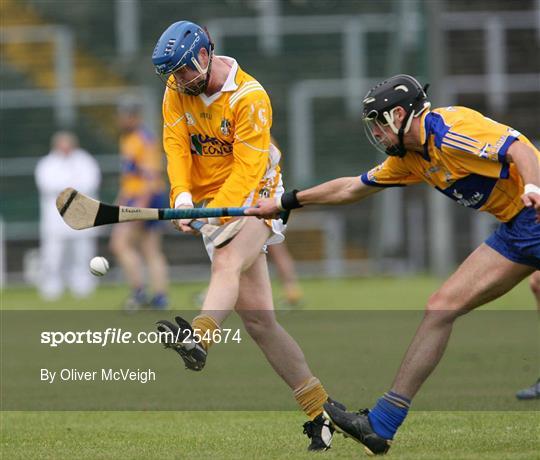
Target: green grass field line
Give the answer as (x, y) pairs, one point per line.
(348, 293)
(261, 435)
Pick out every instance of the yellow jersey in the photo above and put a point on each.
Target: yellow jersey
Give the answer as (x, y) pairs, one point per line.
(141, 164)
(464, 157)
(218, 147)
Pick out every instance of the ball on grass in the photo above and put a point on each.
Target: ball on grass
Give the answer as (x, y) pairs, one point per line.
(99, 266)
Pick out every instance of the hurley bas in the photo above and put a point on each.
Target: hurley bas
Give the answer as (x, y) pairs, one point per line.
(105, 375)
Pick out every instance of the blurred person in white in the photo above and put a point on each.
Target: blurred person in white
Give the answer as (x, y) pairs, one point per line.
(64, 252)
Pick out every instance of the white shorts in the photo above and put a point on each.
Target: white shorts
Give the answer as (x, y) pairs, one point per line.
(277, 227)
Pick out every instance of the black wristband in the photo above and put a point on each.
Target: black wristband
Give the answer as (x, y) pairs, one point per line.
(289, 200)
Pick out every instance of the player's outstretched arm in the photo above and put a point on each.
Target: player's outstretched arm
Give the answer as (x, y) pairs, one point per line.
(528, 166)
(338, 191)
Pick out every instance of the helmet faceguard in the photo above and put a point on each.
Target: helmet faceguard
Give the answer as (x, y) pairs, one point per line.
(197, 85)
(178, 49)
(380, 104)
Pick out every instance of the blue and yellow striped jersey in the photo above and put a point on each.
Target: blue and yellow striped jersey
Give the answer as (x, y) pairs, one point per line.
(141, 164)
(464, 157)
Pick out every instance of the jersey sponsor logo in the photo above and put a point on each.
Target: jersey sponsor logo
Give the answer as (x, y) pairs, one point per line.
(470, 202)
(207, 146)
(471, 191)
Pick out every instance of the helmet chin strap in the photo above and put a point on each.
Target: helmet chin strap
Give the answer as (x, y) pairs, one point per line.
(203, 85)
(399, 150)
(208, 69)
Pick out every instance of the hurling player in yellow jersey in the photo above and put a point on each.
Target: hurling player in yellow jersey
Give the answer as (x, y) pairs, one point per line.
(473, 160)
(142, 185)
(216, 134)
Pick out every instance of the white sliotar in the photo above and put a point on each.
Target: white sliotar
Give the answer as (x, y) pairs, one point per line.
(99, 266)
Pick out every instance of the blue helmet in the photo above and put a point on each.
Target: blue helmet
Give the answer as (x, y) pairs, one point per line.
(179, 46)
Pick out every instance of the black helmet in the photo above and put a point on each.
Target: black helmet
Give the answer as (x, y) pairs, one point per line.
(380, 101)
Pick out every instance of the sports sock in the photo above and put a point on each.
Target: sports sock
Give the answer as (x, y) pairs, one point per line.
(205, 326)
(311, 396)
(388, 414)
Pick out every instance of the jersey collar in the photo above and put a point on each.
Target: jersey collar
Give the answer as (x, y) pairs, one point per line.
(423, 135)
(229, 85)
(423, 128)
(230, 82)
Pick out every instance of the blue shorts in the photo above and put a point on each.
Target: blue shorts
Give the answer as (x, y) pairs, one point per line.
(518, 239)
(158, 200)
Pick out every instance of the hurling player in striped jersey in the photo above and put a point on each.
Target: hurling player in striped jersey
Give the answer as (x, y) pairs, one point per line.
(473, 160)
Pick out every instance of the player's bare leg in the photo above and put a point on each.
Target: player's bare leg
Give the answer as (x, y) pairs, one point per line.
(157, 267)
(228, 264)
(532, 392)
(123, 241)
(469, 287)
(534, 283)
(255, 307)
(240, 279)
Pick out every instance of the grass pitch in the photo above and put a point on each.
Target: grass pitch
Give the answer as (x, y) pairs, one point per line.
(262, 435)
(350, 293)
(265, 434)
